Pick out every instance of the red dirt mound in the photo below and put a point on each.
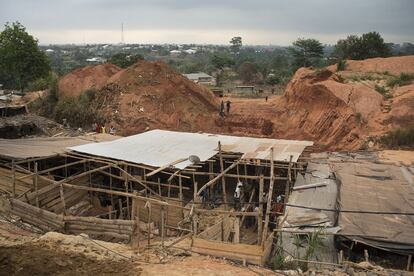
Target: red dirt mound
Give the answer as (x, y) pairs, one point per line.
(85, 78)
(310, 110)
(392, 65)
(151, 95)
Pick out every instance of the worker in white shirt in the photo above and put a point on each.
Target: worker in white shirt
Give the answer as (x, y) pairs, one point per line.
(237, 195)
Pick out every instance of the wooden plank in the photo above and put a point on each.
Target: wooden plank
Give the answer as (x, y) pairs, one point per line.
(166, 166)
(211, 182)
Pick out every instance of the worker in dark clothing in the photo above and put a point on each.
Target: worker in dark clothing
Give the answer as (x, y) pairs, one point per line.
(266, 98)
(228, 103)
(222, 109)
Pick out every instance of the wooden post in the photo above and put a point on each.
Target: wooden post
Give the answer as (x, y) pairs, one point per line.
(195, 197)
(366, 255)
(288, 183)
(35, 184)
(180, 183)
(340, 256)
(260, 216)
(269, 198)
(162, 225)
(409, 262)
(236, 227)
(148, 204)
(159, 186)
(223, 179)
(13, 179)
(121, 212)
(110, 211)
(110, 187)
(195, 222)
(126, 190)
(135, 216)
(62, 199)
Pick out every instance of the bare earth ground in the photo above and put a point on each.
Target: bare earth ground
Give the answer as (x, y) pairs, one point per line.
(25, 253)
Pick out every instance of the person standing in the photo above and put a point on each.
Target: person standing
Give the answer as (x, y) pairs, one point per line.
(228, 103)
(222, 109)
(237, 195)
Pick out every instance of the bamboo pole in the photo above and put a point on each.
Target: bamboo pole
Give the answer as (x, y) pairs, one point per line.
(223, 179)
(269, 199)
(260, 216)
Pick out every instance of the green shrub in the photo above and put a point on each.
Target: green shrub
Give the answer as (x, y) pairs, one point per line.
(401, 80)
(341, 65)
(399, 138)
(383, 91)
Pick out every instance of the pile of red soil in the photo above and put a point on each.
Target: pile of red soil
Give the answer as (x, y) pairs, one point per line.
(150, 95)
(82, 79)
(391, 65)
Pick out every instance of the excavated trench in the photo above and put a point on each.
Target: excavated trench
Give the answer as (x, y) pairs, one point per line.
(14, 131)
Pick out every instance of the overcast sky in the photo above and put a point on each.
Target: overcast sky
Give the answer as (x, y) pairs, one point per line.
(277, 22)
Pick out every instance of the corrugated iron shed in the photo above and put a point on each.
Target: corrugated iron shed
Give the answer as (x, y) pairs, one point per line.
(369, 186)
(160, 147)
(306, 220)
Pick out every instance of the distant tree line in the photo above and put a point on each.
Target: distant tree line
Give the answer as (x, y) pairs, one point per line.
(24, 66)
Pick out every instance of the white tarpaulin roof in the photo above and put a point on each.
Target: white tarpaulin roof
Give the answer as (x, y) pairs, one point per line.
(161, 147)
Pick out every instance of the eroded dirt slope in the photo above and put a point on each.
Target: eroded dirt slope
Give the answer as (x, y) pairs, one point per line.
(79, 80)
(152, 95)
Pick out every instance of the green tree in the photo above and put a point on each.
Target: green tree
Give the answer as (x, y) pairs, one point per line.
(236, 44)
(21, 60)
(306, 52)
(248, 72)
(220, 61)
(368, 45)
(124, 60)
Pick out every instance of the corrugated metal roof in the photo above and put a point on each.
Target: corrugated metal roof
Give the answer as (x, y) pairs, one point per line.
(160, 147)
(46, 146)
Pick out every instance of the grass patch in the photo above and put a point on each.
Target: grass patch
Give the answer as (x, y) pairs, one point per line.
(401, 80)
(383, 91)
(399, 138)
(341, 65)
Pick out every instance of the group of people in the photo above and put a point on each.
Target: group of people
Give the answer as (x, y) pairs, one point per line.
(102, 129)
(222, 108)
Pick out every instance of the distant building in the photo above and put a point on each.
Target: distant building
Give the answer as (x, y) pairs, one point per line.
(244, 89)
(49, 51)
(175, 52)
(190, 51)
(96, 60)
(201, 78)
